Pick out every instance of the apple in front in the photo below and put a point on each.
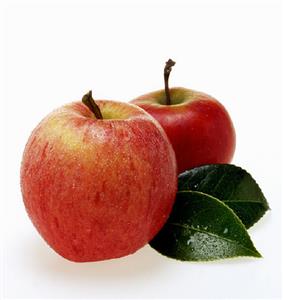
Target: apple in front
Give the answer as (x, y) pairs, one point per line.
(98, 187)
(198, 126)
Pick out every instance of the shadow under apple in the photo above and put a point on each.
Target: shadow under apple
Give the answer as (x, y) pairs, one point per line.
(140, 264)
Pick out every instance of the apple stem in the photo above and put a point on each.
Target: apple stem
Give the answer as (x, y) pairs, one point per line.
(168, 67)
(90, 103)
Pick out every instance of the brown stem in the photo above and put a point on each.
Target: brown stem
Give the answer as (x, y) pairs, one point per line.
(168, 67)
(90, 103)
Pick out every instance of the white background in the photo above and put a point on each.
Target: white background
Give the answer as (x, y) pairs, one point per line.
(56, 51)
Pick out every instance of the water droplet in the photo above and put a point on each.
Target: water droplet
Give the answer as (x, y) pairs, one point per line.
(210, 246)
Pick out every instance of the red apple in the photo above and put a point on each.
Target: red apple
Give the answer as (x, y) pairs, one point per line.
(198, 126)
(98, 185)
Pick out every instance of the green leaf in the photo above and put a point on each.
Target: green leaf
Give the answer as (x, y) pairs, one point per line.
(230, 184)
(202, 228)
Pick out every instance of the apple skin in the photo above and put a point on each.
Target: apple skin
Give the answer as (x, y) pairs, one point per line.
(198, 126)
(98, 189)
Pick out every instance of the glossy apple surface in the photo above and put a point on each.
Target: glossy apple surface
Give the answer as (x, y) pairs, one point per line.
(98, 189)
(198, 126)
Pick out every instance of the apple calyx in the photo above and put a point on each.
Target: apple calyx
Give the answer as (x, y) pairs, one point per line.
(90, 103)
(167, 69)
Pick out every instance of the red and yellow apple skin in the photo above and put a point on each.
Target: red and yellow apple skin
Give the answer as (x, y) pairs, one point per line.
(98, 189)
(198, 126)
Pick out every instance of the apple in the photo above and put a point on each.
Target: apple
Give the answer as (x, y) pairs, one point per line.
(98, 179)
(198, 126)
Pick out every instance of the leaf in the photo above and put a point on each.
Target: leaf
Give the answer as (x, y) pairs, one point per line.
(230, 184)
(202, 228)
